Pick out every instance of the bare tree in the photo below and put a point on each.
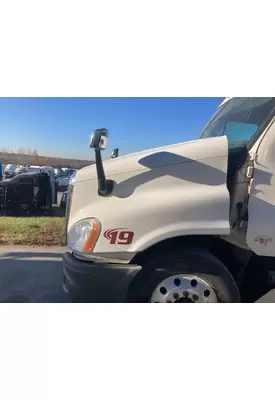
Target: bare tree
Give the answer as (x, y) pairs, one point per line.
(35, 153)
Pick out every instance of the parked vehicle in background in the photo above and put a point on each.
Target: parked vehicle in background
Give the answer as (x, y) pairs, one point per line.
(1, 172)
(69, 171)
(58, 172)
(29, 192)
(20, 170)
(63, 180)
(9, 170)
(62, 184)
(33, 168)
(38, 169)
(48, 169)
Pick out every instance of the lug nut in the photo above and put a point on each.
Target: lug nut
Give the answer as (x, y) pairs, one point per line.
(163, 290)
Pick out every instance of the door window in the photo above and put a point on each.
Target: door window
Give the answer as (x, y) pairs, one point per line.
(239, 131)
(240, 119)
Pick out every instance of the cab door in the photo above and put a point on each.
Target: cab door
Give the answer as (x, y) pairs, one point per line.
(24, 191)
(260, 236)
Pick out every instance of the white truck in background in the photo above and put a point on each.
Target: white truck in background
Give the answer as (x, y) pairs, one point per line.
(20, 170)
(9, 170)
(189, 222)
(33, 168)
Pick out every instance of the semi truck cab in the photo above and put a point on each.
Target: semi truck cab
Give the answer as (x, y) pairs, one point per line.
(188, 222)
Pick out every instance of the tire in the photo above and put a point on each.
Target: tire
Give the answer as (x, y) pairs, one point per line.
(189, 265)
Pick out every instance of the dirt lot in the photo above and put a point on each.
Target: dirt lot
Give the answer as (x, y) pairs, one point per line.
(31, 274)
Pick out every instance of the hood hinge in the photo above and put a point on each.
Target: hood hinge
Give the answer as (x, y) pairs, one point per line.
(250, 167)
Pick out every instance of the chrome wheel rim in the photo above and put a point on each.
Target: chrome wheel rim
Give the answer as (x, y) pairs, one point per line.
(183, 288)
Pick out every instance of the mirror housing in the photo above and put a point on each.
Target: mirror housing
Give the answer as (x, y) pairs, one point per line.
(99, 139)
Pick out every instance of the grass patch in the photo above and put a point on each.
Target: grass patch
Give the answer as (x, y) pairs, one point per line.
(40, 231)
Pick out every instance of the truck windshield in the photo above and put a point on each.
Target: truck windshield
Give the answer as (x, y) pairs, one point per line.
(239, 119)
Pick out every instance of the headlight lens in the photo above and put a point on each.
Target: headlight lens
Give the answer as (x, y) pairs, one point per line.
(83, 235)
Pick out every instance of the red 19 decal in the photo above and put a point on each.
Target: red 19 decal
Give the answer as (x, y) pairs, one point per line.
(119, 236)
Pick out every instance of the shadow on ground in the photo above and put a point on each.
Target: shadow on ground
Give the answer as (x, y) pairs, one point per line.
(29, 276)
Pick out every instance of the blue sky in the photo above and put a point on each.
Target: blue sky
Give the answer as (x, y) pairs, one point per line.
(62, 126)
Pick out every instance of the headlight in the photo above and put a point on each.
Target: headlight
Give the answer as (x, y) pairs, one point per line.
(83, 235)
(72, 179)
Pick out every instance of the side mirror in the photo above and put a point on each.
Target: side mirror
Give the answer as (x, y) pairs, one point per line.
(99, 139)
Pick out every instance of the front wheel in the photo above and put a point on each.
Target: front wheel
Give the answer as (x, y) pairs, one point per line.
(183, 288)
(187, 276)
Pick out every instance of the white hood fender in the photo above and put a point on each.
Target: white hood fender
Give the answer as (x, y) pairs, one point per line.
(158, 194)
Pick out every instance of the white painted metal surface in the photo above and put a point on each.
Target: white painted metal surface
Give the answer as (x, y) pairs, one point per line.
(261, 207)
(161, 193)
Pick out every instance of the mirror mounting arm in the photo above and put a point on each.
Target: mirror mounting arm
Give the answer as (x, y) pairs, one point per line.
(105, 186)
(98, 142)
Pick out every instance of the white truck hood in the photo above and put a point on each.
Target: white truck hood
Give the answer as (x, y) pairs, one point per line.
(158, 194)
(195, 150)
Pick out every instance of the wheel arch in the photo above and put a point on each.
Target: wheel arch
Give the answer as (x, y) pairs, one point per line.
(204, 248)
(228, 254)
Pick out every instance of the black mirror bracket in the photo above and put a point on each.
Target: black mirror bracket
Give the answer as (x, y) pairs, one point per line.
(105, 186)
